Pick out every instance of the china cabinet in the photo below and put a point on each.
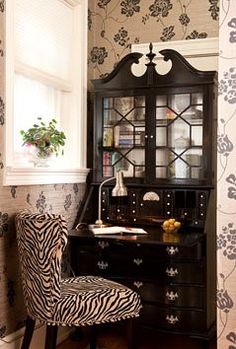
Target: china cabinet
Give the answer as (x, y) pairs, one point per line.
(160, 131)
(156, 128)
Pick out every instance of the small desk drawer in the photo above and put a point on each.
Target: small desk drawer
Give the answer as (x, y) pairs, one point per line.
(173, 295)
(168, 271)
(194, 252)
(173, 319)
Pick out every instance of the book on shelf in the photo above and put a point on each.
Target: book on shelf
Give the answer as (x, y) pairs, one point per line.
(126, 136)
(107, 164)
(108, 137)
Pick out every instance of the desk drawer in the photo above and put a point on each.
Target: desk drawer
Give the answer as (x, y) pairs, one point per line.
(167, 271)
(173, 295)
(155, 251)
(173, 319)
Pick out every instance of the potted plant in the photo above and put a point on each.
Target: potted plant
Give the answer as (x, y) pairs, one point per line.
(45, 138)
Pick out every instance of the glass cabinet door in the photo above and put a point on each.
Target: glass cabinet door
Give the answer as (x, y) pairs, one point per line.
(179, 136)
(123, 136)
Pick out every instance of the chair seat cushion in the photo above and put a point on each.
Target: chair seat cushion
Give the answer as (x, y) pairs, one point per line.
(88, 300)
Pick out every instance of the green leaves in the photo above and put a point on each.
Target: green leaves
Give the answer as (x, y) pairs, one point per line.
(45, 137)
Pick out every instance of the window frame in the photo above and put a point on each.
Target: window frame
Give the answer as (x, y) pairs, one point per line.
(15, 175)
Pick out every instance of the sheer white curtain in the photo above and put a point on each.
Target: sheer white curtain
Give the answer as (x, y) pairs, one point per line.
(33, 99)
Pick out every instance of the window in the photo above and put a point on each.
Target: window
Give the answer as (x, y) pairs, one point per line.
(46, 76)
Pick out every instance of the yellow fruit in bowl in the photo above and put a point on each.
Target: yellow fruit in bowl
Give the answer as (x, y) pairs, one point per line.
(177, 224)
(166, 224)
(171, 225)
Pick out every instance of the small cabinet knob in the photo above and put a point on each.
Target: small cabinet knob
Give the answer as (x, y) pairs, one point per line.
(171, 319)
(172, 272)
(171, 250)
(102, 265)
(103, 244)
(171, 296)
(137, 261)
(138, 284)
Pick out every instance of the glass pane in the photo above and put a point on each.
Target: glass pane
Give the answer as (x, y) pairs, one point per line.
(123, 135)
(193, 114)
(139, 101)
(139, 113)
(107, 169)
(164, 115)
(123, 105)
(119, 161)
(162, 157)
(161, 101)
(107, 103)
(33, 99)
(179, 102)
(161, 136)
(127, 135)
(178, 135)
(194, 160)
(107, 137)
(180, 168)
(197, 135)
(197, 98)
(110, 117)
(136, 163)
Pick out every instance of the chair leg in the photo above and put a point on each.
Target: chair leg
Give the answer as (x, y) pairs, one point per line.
(131, 334)
(93, 339)
(51, 337)
(29, 330)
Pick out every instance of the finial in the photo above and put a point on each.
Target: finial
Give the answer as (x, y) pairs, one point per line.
(150, 55)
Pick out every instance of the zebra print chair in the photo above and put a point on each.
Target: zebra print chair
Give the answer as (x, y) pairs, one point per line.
(75, 301)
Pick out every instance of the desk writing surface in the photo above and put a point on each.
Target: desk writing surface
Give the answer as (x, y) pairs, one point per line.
(155, 236)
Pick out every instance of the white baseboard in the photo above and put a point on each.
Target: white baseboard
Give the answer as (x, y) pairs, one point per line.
(13, 341)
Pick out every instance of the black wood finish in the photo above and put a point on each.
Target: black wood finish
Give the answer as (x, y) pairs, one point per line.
(93, 339)
(29, 330)
(51, 337)
(148, 123)
(168, 272)
(160, 130)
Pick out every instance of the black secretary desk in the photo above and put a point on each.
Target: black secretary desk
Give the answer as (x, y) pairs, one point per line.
(160, 130)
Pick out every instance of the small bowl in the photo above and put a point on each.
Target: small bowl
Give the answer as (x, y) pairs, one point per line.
(170, 231)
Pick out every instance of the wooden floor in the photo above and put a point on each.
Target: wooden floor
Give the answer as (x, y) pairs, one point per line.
(115, 339)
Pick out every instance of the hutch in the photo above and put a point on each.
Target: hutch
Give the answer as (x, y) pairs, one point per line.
(160, 131)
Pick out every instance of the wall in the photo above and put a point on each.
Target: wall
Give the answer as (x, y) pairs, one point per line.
(226, 188)
(115, 24)
(60, 198)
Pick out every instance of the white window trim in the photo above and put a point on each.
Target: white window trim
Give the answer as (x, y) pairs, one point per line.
(13, 175)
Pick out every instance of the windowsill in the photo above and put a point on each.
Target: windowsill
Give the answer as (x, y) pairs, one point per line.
(46, 175)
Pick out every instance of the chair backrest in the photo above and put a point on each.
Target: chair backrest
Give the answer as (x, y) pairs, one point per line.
(41, 240)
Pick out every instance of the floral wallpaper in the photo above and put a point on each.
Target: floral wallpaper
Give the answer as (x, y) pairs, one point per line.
(58, 198)
(226, 205)
(115, 24)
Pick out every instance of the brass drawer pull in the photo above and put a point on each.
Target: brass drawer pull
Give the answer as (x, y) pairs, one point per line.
(138, 284)
(171, 296)
(102, 265)
(103, 244)
(172, 272)
(171, 319)
(171, 250)
(137, 261)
